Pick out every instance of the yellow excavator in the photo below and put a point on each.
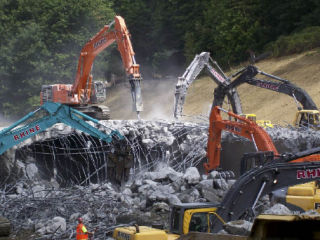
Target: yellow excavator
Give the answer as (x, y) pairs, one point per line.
(261, 123)
(205, 220)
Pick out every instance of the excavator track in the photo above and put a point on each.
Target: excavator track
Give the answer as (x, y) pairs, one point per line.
(99, 112)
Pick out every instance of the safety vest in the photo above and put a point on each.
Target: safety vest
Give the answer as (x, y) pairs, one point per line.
(80, 234)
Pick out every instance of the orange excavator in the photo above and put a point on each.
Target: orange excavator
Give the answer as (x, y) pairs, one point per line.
(298, 197)
(243, 127)
(86, 95)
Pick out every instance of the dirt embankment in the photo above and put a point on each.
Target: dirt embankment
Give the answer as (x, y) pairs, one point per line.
(158, 96)
(301, 69)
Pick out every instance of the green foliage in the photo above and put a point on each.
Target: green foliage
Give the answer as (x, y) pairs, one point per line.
(295, 43)
(40, 44)
(41, 40)
(229, 28)
(158, 29)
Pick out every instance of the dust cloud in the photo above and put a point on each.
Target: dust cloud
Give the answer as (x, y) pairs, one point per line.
(157, 97)
(5, 122)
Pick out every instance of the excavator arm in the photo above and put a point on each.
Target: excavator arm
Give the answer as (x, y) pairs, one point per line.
(200, 62)
(241, 199)
(243, 127)
(46, 116)
(248, 75)
(104, 38)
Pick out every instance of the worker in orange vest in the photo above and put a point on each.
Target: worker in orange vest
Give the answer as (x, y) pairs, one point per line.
(82, 232)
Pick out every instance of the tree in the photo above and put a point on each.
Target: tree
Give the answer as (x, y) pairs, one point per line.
(40, 45)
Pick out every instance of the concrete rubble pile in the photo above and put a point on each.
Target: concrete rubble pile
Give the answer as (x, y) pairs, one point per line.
(180, 144)
(149, 197)
(51, 212)
(41, 210)
(172, 175)
(45, 211)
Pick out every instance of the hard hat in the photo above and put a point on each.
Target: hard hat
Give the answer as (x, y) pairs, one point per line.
(80, 220)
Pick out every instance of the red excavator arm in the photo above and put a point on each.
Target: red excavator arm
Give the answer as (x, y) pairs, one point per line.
(97, 44)
(244, 127)
(80, 95)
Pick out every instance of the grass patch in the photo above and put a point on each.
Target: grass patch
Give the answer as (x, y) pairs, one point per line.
(297, 42)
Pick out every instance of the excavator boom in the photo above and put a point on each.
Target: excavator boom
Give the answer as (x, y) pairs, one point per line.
(240, 201)
(80, 95)
(227, 87)
(247, 75)
(243, 127)
(54, 113)
(200, 62)
(103, 39)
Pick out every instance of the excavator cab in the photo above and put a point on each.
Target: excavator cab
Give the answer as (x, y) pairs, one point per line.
(250, 116)
(261, 123)
(193, 217)
(184, 218)
(307, 119)
(99, 94)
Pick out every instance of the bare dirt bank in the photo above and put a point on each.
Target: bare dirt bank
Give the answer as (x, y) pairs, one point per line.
(158, 95)
(301, 69)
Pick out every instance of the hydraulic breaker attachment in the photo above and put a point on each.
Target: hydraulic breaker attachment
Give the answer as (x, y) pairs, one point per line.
(214, 71)
(186, 80)
(135, 84)
(46, 116)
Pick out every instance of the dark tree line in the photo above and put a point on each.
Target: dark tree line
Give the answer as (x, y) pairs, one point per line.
(41, 40)
(172, 32)
(40, 44)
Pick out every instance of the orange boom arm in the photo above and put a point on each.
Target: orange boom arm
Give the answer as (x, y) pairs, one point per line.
(245, 128)
(104, 38)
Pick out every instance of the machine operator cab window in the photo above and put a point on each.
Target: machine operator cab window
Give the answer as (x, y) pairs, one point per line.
(204, 221)
(99, 93)
(199, 222)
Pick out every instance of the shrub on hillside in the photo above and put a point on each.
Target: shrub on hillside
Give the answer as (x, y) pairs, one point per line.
(297, 42)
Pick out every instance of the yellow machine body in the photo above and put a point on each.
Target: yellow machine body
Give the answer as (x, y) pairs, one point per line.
(261, 123)
(144, 233)
(206, 213)
(305, 196)
(183, 222)
(285, 227)
(265, 123)
(311, 118)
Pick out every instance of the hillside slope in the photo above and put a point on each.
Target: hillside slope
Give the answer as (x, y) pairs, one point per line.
(158, 96)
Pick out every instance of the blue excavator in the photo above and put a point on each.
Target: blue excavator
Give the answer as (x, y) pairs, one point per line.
(46, 116)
